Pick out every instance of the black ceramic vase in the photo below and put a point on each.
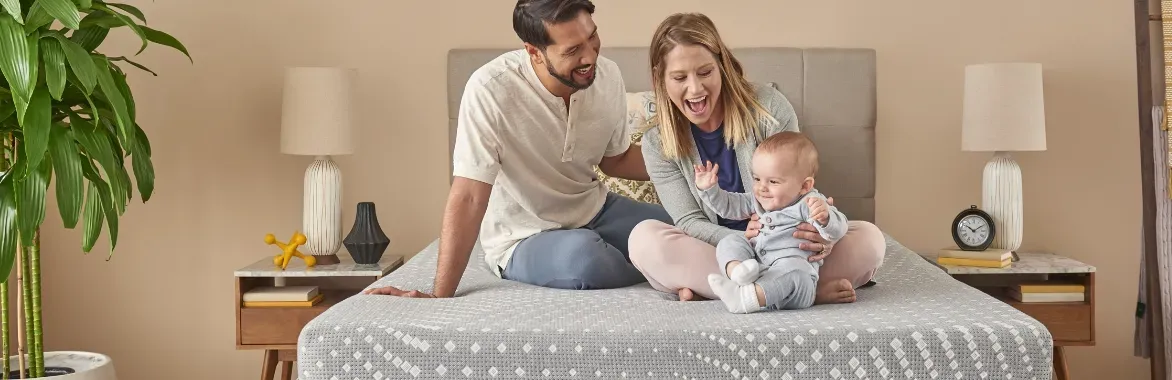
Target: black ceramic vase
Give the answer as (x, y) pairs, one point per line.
(366, 241)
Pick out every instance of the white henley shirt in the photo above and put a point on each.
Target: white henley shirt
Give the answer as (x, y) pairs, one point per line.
(537, 153)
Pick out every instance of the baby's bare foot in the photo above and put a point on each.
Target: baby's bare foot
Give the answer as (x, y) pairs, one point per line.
(838, 291)
(687, 295)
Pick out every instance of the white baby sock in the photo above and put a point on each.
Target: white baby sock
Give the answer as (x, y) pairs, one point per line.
(739, 299)
(746, 273)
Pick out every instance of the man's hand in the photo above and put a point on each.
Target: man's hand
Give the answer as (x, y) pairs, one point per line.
(467, 203)
(393, 291)
(706, 175)
(626, 165)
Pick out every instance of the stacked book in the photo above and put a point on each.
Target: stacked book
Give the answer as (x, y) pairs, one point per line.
(282, 296)
(1047, 292)
(989, 258)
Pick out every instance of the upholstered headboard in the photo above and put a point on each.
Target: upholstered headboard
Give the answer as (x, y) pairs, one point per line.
(832, 90)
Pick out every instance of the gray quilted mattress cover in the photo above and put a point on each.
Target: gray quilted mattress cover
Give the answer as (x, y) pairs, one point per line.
(917, 323)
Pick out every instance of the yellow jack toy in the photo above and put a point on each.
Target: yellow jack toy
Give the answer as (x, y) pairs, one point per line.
(290, 250)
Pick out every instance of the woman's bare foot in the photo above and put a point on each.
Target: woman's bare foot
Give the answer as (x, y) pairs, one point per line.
(687, 295)
(837, 291)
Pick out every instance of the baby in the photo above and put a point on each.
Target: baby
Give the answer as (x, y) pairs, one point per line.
(771, 272)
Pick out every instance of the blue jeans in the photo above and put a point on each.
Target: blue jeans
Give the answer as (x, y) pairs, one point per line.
(592, 257)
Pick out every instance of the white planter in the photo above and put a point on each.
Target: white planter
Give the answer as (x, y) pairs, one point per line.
(85, 365)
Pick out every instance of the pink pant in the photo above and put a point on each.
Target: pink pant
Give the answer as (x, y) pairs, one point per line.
(671, 260)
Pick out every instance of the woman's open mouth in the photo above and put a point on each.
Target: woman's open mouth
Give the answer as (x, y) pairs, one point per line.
(697, 105)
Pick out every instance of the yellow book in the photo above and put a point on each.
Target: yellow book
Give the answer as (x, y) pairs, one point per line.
(1049, 287)
(986, 255)
(974, 263)
(309, 303)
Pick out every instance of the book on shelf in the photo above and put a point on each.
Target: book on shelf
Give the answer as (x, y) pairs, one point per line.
(314, 301)
(1049, 287)
(990, 254)
(974, 262)
(1045, 297)
(281, 294)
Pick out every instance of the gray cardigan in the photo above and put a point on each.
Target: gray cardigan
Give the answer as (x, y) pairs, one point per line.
(675, 181)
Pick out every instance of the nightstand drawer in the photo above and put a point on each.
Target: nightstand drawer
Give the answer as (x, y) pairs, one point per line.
(271, 326)
(1067, 322)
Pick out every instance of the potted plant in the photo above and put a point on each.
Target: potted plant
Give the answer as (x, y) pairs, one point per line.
(67, 117)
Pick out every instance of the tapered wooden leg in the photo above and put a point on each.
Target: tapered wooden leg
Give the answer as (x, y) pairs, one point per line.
(287, 371)
(269, 371)
(1060, 370)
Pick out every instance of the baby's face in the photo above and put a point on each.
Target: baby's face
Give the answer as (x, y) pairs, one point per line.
(777, 182)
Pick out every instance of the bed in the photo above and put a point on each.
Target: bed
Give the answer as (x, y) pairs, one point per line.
(916, 322)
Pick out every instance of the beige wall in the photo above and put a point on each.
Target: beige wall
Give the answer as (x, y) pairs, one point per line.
(214, 127)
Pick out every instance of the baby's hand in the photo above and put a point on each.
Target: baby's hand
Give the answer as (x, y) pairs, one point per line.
(818, 210)
(706, 175)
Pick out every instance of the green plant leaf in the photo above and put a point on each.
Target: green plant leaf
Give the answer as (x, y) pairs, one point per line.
(95, 141)
(84, 4)
(89, 37)
(93, 217)
(30, 199)
(110, 90)
(135, 64)
(67, 170)
(128, 95)
(142, 139)
(36, 128)
(144, 169)
(15, 63)
(129, 23)
(8, 228)
(64, 11)
(165, 39)
(130, 9)
(105, 204)
(54, 59)
(13, 8)
(80, 61)
(37, 17)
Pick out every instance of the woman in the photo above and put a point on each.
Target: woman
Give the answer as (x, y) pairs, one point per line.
(708, 111)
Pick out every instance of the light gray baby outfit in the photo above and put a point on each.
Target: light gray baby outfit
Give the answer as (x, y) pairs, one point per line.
(788, 278)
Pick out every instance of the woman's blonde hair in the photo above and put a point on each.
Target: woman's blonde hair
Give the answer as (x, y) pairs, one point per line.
(742, 112)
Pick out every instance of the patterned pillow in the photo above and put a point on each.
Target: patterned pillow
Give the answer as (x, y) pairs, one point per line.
(640, 108)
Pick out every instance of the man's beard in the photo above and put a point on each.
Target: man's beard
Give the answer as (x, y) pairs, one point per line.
(569, 81)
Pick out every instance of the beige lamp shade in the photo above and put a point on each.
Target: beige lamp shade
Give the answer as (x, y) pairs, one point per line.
(1003, 108)
(316, 114)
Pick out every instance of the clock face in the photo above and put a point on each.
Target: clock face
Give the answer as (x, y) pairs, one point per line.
(972, 230)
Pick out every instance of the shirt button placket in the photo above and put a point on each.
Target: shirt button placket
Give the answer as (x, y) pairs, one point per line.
(568, 148)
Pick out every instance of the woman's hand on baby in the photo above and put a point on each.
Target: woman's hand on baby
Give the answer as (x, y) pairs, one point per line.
(813, 241)
(706, 175)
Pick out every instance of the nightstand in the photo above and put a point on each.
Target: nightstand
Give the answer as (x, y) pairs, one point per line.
(275, 329)
(1070, 323)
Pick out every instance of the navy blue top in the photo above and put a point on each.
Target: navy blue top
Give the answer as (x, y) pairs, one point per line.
(712, 148)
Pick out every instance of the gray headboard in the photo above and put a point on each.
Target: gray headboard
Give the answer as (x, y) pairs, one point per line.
(832, 89)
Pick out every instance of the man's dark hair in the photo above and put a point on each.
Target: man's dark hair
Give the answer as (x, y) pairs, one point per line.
(530, 16)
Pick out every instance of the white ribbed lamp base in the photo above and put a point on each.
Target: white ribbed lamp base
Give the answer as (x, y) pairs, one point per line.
(1001, 198)
(321, 219)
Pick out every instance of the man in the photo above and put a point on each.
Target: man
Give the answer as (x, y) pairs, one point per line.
(532, 124)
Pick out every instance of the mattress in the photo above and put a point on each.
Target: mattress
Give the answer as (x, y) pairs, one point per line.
(916, 322)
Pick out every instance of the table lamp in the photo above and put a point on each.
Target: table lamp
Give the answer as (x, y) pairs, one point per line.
(1003, 112)
(316, 121)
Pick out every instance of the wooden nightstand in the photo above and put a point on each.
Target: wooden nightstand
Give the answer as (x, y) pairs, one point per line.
(275, 329)
(1070, 323)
